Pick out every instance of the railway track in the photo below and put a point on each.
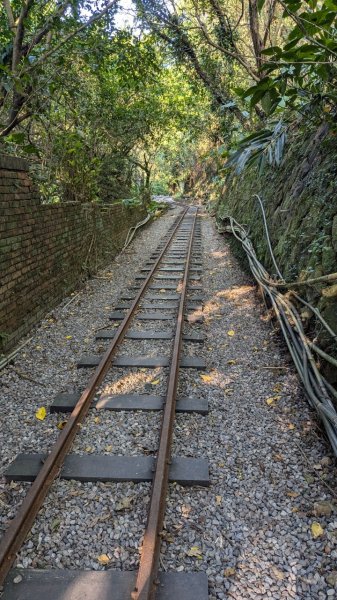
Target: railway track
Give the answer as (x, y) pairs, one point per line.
(166, 290)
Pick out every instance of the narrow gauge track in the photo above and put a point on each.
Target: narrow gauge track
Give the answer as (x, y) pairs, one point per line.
(176, 261)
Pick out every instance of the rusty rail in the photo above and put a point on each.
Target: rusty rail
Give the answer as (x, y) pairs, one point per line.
(146, 583)
(22, 523)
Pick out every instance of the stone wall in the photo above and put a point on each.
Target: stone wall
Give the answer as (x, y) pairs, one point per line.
(301, 210)
(47, 250)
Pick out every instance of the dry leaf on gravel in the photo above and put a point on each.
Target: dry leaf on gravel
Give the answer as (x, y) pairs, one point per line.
(231, 332)
(270, 401)
(41, 413)
(323, 508)
(206, 378)
(277, 573)
(61, 424)
(229, 572)
(155, 382)
(55, 524)
(103, 559)
(124, 503)
(185, 510)
(316, 530)
(278, 457)
(195, 552)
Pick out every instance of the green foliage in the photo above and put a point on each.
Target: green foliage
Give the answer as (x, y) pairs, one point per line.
(301, 73)
(260, 148)
(131, 202)
(105, 114)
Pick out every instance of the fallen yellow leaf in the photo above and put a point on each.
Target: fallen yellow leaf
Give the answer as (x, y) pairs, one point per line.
(206, 378)
(272, 399)
(97, 420)
(108, 448)
(231, 332)
(155, 382)
(291, 426)
(316, 530)
(231, 362)
(103, 559)
(218, 500)
(41, 413)
(88, 449)
(69, 337)
(195, 552)
(61, 424)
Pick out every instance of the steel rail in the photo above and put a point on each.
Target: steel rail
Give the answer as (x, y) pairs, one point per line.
(22, 523)
(146, 582)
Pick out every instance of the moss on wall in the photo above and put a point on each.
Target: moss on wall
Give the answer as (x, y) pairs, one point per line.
(300, 200)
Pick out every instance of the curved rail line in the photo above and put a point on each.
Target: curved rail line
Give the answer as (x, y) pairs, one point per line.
(147, 578)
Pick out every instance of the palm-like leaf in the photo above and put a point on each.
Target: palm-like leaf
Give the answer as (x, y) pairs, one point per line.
(264, 146)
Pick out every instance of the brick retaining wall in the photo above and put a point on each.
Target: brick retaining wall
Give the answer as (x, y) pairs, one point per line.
(47, 250)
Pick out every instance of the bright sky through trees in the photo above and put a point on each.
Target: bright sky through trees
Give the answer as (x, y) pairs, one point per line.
(88, 88)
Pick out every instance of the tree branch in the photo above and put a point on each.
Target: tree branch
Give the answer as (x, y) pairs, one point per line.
(233, 55)
(10, 16)
(254, 31)
(20, 31)
(45, 31)
(16, 121)
(92, 19)
(241, 15)
(299, 21)
(271, 13)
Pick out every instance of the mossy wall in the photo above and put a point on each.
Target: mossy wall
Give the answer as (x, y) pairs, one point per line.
(300, 200)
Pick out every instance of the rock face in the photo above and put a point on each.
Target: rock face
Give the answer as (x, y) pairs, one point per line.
(301, 210)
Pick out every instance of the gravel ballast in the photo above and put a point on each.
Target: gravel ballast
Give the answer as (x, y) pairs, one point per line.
(272, 472)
